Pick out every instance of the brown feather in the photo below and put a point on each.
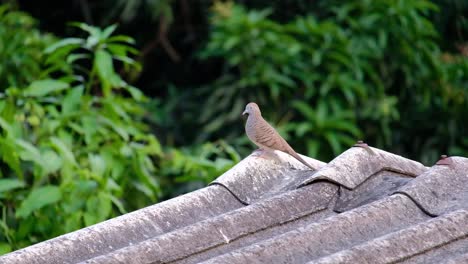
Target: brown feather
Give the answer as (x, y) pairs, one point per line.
(264, 135)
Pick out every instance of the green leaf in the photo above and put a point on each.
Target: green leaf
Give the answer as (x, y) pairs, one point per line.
(348, 126)
(10, 156)
(29, 151)
(98, 164)
(313, 147)
(98, 208)
(64, 42)
(74, 57)
(93, 31)
(44, 87)
(73, 221)
(121, 49)
(25, 227)
(334, 143)
(39, 198)
(303, 128)
(305, 109)
(108, 31)
(51, 162)
(118, 204)
(63, 149)
(72, 100)
(121, 38)
(136, 93)
(10, 184)
(104, 66)
(4, 248)
(6, 126)
(231, 42)
(117, 128)
(90, 127)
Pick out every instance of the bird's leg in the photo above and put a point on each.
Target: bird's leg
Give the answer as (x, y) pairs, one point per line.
(264, 153)
(258, 152)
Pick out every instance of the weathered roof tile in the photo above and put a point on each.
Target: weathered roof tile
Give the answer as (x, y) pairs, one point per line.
(355, 165)
(379, 185)
(404, 244)
(366, 206)
(128, 229)
(331, 234)
(462, 258)
(441, 189)
(257, 177)
(223, 229)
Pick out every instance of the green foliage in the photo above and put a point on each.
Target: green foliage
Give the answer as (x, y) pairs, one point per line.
(194, 167)
(372, 63)
(128, 10)
(333, 130)
(21, 46)
(74, 149)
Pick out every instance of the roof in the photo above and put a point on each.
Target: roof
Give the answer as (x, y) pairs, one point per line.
(365, 206)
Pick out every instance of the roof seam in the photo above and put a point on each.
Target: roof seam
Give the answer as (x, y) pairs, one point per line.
(416, 203)
(317, 180)
(413, 175)
(231, 192)
(324, 178)
(429, 249)
(249, 233)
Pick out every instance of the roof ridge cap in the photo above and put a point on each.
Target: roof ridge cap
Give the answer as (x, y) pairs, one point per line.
(262, 174)
(357, 164)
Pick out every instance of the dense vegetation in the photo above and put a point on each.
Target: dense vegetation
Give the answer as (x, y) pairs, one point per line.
(97, 119)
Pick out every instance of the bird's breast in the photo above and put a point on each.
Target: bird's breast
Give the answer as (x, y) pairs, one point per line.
(250, 128)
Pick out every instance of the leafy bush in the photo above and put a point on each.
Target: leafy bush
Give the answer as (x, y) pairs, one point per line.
(365, 69)
(73, 144)
(21, 48)
(188, 168)
(75, 150)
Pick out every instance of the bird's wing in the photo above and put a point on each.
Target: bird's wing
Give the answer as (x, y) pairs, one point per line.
(267, 136)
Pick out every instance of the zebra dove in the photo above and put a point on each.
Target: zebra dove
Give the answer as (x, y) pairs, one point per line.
(264, 135)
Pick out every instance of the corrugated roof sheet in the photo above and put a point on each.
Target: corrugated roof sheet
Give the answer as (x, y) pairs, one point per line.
(365, 206)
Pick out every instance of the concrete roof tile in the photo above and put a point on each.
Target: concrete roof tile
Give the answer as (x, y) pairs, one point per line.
(365, 205)
(463, 258)
(257, 177)
(128, 229)
(406, 243)
(355, 165)
(331, 234)
(223, 229)
(441, 189)
(379, 185)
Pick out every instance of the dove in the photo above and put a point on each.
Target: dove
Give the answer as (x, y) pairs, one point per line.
(264, 135)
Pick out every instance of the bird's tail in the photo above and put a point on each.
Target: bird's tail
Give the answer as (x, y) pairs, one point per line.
(295, 155)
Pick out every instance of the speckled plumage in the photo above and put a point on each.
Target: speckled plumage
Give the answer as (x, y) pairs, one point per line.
(264, 135)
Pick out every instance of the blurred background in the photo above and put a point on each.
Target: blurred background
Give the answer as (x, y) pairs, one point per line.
(110, 106)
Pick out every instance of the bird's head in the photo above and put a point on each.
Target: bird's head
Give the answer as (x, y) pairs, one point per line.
(251, 108)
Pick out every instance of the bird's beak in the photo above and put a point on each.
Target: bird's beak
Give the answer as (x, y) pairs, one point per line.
(244, 113)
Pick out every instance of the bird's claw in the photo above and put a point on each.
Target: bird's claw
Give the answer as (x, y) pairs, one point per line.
(259, 152)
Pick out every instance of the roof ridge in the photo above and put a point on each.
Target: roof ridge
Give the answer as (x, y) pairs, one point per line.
(354, 166)
(257, 176)
(442, 188)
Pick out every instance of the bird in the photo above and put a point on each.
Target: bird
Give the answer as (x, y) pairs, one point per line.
(264, 135)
